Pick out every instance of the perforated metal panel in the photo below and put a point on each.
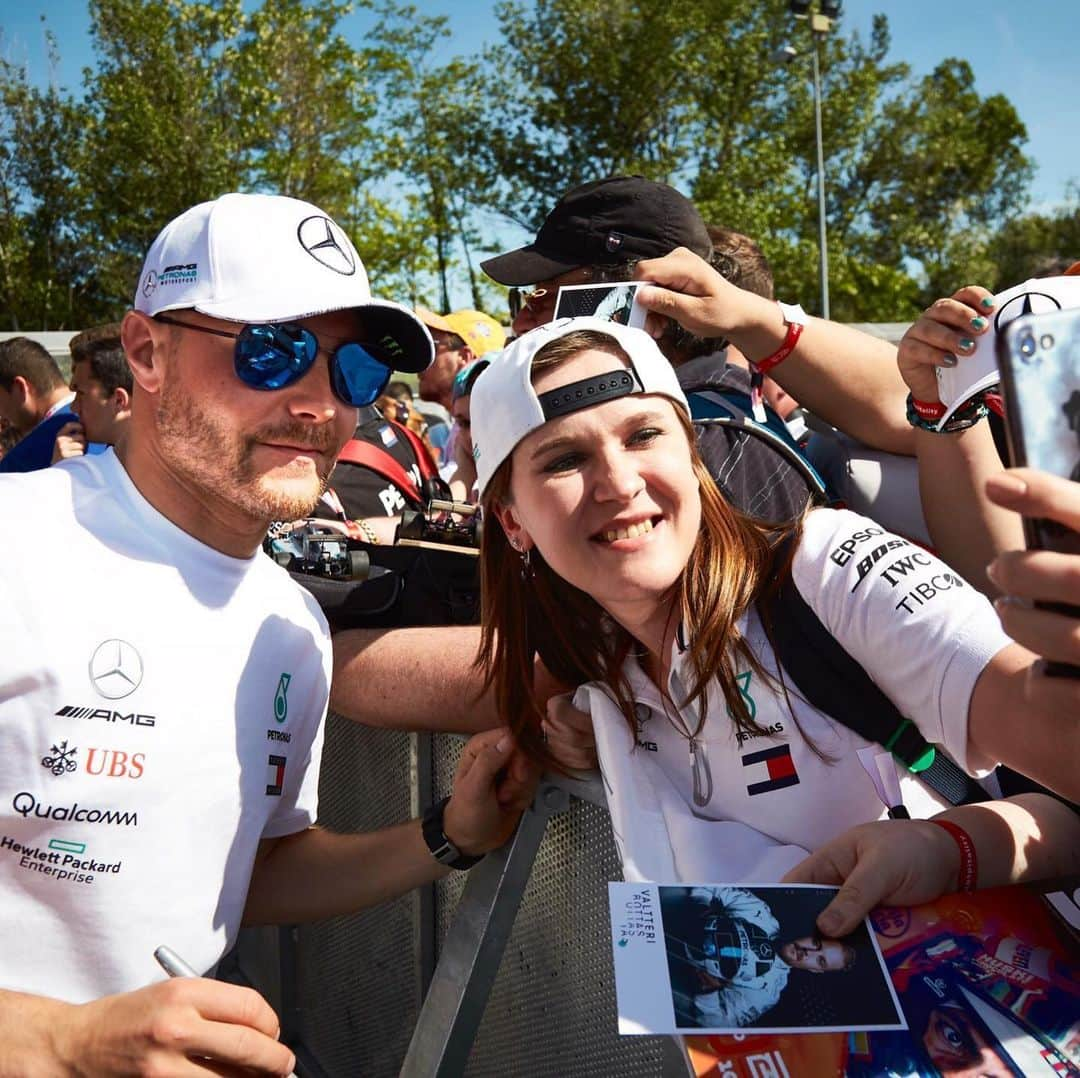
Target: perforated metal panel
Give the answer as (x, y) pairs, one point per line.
(357, 978)
(357, 987)
(552, 1009)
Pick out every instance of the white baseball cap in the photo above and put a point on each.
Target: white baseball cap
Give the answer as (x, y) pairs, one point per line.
(505, 407)
(269, 258)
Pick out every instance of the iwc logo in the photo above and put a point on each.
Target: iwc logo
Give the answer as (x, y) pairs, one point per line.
(326, 243)
(116, 669)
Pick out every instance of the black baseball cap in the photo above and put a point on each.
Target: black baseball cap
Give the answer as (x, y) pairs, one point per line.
(604, 223)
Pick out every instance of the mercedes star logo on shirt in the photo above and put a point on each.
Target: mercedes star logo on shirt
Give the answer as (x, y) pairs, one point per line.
(326, 243)
(115, 669)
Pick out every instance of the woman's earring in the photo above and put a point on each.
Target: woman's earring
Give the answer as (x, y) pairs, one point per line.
(526, 566)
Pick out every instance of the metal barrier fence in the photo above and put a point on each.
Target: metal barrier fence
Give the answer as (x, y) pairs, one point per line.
(505, 970)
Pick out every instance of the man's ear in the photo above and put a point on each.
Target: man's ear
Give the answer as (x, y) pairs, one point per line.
(21, 391)
(515, 531)
(145, 343)
(120, 400)
(466, 357)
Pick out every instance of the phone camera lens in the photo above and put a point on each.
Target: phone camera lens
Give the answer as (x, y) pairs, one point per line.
(1046, 342)
(1027, 346)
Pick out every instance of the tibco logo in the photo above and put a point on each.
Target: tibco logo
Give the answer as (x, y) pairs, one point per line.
(26, 805)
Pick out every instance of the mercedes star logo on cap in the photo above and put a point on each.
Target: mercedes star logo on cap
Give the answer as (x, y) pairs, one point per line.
(115, 669)
(326, 243)
(1025, 303)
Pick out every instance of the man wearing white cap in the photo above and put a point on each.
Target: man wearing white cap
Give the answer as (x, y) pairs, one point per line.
(159, 747)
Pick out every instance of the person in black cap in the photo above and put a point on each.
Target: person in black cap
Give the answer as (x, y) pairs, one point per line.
(597, 227)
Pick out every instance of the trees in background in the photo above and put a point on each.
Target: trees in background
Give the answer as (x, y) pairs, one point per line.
(422, 155)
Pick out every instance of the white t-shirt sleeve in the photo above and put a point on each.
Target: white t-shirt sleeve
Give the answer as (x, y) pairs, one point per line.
(299, 803)
(922, 633)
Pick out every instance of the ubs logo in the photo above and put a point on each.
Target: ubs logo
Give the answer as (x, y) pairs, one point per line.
(116, 669)
(108, 763)
(61, 760)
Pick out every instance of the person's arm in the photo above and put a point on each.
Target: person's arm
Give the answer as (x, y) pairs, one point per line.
(187, 1026)
(383, 528)
(1019, 717)
(846, 377)
(907, 862)
(315, 874)
(1024, 576)
(426, 678)
(967, 529)
(422, 678)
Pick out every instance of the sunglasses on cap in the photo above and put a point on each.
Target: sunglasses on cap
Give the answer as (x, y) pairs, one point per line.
(274, 355)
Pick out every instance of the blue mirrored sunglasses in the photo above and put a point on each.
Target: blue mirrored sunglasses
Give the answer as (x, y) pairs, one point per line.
(274, 355)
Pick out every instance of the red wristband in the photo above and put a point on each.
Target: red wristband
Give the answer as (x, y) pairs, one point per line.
(969, 862)
(791, 338)
(931, 410)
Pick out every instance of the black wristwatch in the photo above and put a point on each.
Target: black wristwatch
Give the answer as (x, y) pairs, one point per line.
(442, 849)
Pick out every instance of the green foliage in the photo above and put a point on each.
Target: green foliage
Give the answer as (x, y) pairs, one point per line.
(420, 155)
(41, 139)
(1036, 245)
(689, 93)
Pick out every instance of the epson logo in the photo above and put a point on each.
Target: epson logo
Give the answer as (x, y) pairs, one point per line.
(26, 805)
(72, 711)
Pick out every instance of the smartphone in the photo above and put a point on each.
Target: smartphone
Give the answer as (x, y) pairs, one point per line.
(611, 302)
(1039, 361)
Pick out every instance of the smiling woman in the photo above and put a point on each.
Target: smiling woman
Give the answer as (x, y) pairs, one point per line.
(607, 502)
(616, 561)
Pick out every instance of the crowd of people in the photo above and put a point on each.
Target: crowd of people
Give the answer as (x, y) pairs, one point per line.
(654, 526)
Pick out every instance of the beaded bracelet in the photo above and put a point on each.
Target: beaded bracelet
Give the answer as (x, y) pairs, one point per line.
(367, 532)
(967, 416)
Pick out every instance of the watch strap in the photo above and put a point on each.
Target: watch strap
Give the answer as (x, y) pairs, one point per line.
(442, 848)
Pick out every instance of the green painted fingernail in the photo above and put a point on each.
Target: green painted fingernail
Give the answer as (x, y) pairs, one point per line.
(987, 302)
(978, 323)
(948, 360)
(966, 344)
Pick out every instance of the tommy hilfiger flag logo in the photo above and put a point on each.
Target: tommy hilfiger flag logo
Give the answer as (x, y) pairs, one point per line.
(277, 765)
(773, 769)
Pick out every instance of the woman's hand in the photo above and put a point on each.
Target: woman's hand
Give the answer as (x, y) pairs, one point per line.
(888, 862)
(943, 335)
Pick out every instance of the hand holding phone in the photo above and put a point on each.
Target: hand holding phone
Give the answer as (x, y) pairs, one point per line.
(1039, 360)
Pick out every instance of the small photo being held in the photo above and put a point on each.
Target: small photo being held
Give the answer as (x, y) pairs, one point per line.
(723, 959)
(611, 302)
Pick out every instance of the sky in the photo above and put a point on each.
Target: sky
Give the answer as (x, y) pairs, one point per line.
(1023, 50)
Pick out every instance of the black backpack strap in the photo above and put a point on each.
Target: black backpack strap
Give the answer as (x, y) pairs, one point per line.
(828, 678)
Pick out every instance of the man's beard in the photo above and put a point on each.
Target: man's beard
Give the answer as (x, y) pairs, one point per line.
(204, 450)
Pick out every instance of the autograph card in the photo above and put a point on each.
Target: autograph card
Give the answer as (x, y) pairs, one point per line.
(611, 302)
(725, 959)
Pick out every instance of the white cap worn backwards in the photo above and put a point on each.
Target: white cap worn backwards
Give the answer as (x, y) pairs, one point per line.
(268, 258)
(505, 407)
